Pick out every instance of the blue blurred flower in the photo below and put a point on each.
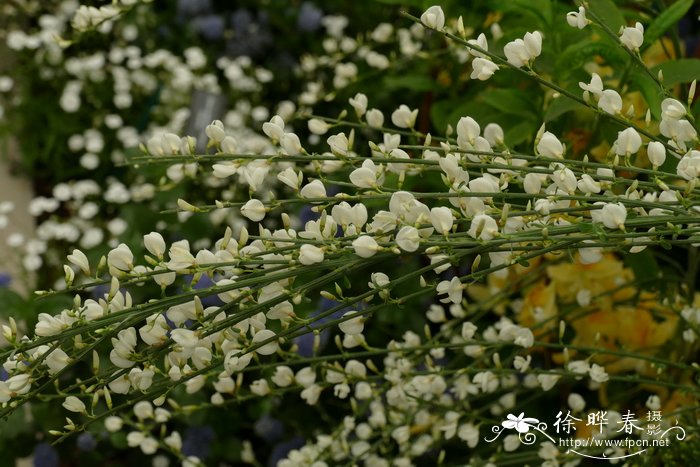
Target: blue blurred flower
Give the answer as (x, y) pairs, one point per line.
(189, 8)
(280, 450)
(86, 442)
(5, 279)
(241, 19)
(210, 27)
(45, 456)
(269, 428)
(197, 441)
(309, 18)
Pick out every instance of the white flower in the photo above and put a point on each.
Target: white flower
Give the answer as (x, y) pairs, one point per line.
(266, 349)
(597, 372)
(483, 69)
(595, 87)
(274, 129)
(290, 178)
(113, 424)
(521, 52)
(452, 288)
(408, 238)
(359, 103)
(121, 258)
(215, 132)
(291, 144)
(576, 402)
(483, 227)
(339, 144)
(610, 102)
(588, 185)
(467, 132)
(532, 183)
(143, 410)
(590, 255)
(494, 134)
(254, 210)
(565, 180)
(442, 219)
(521, 363)
(365, 176)
(229, 145)
(511, 443)
(375, 118)
(315, 189)
(365, 246)
(628, 142)
(309, 254)
(672, 109)
(187, 338)
(352, 326)
(155, 244)
(283, 376)
(633, 38)
(533, 44)
(577, 19)
(656, 152)
(550, 146)
(433, 17)
(678, 130)
(480, 42)
(79, 259)
(311, 394)
(689, 165)
(318, 126)
(547, 381)
(403, 117)
(613, 215)
(74, 404)
(516, 53)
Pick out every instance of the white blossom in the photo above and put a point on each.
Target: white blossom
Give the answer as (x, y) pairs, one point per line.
(254, 210)
(656, 152)
(365, 246)
(310, 254)
(577, 19)
(403, 117)
(408, 239)
(633, 38)
(610, 102)
(550, 146)
(483, 69)
(433, 17)
(628, 142)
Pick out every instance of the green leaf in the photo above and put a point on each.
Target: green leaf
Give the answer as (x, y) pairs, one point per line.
(419, 83)
(608, 12)
(542, 9)
(643, 264)
(12, 304)
(651, 92)
(518, 133)
(665, 20)
(683, 70)
(560, 106)
(576, 55)
(510, 101)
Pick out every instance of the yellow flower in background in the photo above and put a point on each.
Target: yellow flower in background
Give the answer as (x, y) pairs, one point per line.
(539, 310)
(607, 275)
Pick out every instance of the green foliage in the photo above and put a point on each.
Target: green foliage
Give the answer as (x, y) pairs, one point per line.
(666, 20)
